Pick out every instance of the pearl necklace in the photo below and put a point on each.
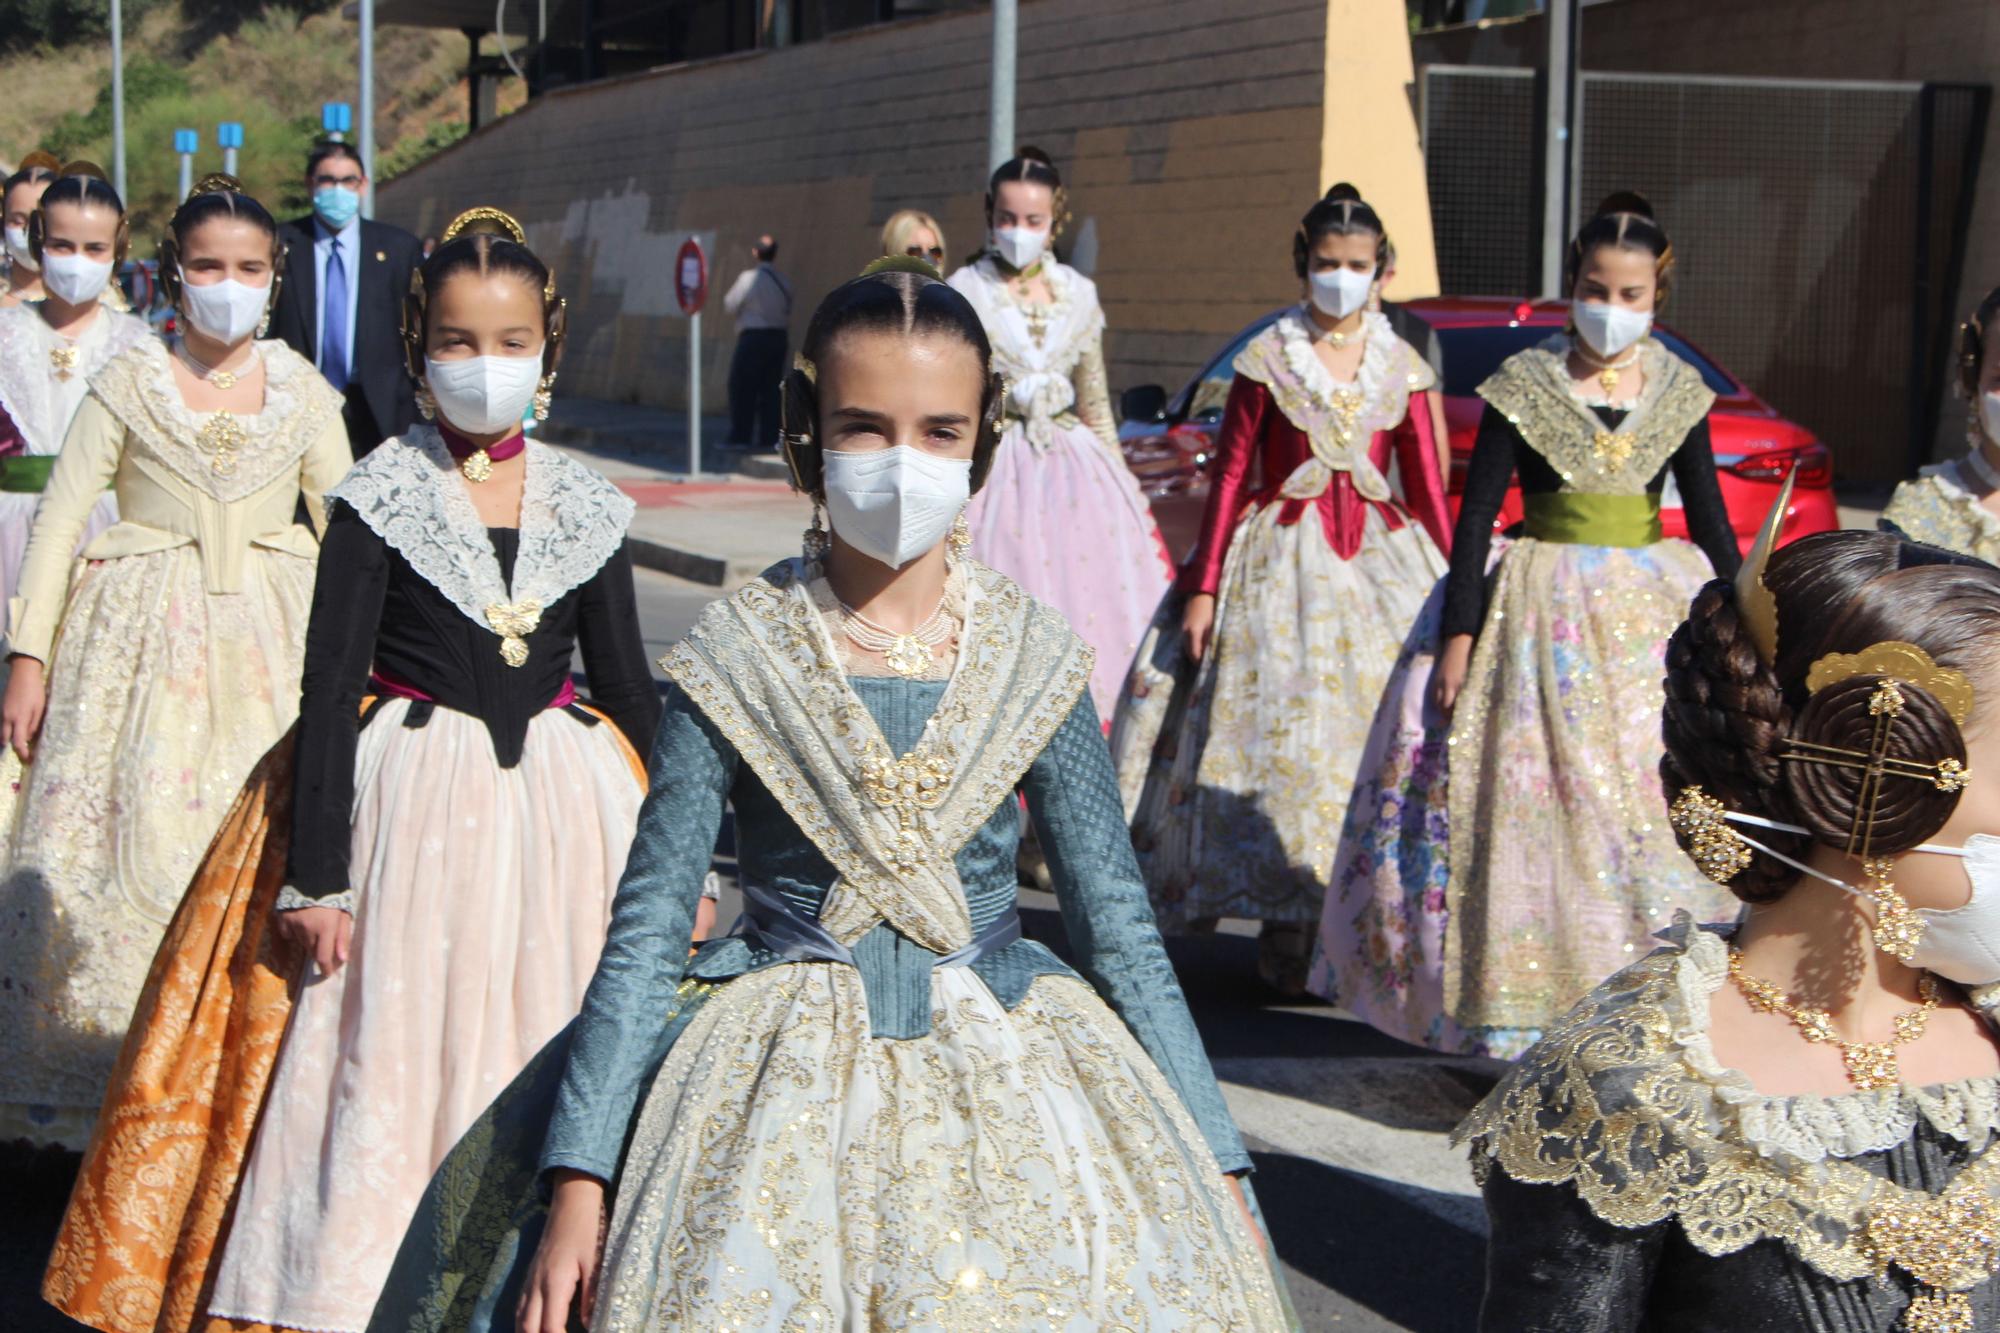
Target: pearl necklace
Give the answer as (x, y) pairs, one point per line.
(908, 655)
(1335, 339)
(221, 379)
(1607, 371)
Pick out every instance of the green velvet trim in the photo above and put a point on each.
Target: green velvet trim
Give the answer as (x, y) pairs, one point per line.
(1576, 519)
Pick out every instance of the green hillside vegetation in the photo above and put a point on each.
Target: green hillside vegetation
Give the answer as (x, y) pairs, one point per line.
(196, 64)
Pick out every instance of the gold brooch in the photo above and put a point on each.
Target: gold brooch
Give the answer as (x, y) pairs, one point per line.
(1717, 849)
(513, 622)
(916, 782)
(1950, 1243)
(477, 466)
(1611, 448)
(63, 361)
(222, 438)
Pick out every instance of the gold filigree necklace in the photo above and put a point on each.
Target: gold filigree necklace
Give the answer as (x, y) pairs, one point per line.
(1870, 1064)
(63, 359)
(1607, 371)
(908, 655)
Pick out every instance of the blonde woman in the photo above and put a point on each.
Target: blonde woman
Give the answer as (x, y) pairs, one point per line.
(915, 233)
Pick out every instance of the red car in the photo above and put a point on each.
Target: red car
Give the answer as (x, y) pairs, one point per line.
(1168, 441)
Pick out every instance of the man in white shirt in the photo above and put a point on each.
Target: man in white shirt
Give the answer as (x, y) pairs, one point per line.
(341, 305)
(761, 301)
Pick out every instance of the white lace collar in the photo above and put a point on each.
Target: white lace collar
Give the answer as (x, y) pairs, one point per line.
(1386, 376)
(1809, 1128)
(408, 491)
(1069, 321)
(29, 393)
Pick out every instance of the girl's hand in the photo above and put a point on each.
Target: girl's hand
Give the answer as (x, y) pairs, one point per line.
(1243, 1204)
(1197, 623)
(565, 1267)
(1449, 672)
(22, 708)
(324, 933)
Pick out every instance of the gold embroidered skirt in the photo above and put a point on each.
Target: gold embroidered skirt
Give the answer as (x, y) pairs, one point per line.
(1023, 1169)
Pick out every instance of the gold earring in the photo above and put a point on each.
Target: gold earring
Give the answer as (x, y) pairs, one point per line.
(1898, 930)
(427, 406)
(958, 542)
(816, 542)
(542, 396)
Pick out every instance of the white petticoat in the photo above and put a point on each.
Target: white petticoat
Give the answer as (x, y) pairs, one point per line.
(482, 896)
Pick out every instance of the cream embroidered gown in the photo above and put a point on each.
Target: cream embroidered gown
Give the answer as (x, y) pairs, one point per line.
(1941, 505)
(43, 380)
(173, 650)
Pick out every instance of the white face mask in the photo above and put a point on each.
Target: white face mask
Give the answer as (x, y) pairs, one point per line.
(17, 248)
(227, 311)
(1609, 329)
(1340, 292)
(1020, 246)
(893, 505)
(1989, 414)
(74, 278)
(484, 394)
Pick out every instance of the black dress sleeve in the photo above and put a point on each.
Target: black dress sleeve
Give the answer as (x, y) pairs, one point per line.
(1701, 500)
(1553, 1266)
(614, 651)
(340, 649)
(1494, 455)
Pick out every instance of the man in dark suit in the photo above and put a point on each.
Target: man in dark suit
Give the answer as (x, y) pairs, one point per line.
(341, 306)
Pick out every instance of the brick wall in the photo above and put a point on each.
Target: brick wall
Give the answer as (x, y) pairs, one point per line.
(1189, 132)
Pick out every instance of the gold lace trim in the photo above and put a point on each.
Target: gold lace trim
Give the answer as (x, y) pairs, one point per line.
(1608, 1104)
(1532, 390)
(764, 669)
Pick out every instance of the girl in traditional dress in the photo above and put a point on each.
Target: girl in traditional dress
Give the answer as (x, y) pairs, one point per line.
(19, 193)
(1474, 899)
(51, 348)
(1789, 1123)
(452, 846)
(1296, 604)
(149, 679)
(1061, 515)
(1956, 504)
(875, 1104)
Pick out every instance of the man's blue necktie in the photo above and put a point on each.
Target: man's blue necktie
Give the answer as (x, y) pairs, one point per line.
(333, 334)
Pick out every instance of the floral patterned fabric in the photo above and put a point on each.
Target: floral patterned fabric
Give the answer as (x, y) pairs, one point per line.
(1942, 506)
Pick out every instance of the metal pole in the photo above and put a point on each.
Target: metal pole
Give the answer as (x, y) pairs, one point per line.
(1561, 17)
(118, 98)
(367, 128)
(1000, 132)
(694, 394)
(187, 175)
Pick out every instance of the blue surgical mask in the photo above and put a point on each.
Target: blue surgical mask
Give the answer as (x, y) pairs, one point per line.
(336, 205)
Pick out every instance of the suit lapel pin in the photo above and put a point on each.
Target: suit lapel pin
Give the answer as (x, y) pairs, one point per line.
(381, 256)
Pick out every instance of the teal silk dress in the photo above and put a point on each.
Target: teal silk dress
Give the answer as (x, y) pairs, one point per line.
(874, 1103)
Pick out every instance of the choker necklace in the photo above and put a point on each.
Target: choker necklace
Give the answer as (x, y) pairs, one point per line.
(1335, 339)
(1607, 371)
(908, 655)
(475, 461)
(221, 379)
(1870, 1064)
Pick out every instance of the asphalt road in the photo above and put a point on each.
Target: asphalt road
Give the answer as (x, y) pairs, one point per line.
(1375, 1219)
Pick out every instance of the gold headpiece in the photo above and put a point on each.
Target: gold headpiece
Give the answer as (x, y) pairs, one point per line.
(216, 182)
(491, 221)
(82, 167)
(1903, 662)
(923, 268)
(1755, 605)
(805, 367)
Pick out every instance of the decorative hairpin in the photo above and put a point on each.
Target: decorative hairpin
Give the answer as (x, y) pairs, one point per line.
(1755, 605)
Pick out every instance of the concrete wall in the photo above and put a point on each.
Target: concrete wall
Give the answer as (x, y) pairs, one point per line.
(1189, 131)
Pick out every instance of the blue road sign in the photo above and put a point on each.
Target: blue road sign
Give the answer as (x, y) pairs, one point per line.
(336, 117)
(187, 141)
(229, 134)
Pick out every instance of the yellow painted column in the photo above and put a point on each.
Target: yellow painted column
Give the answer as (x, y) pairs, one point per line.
(1369, 131)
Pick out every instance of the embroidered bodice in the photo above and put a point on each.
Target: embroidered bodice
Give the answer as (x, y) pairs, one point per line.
(1941, 506)
(40, 396)
(1052, 354)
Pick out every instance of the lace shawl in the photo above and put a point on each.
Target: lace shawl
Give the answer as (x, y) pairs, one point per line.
(409, 493)
(1941, 506)
(1532, 390)
(27, 393)
(1281, 358)
(139, 388)
(1041, 375)
(763, 667)
(1625, 1102)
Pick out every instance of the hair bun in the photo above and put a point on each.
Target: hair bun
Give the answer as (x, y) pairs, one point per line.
(923, 268)
(1027, 152)
(1828, 796)
(1626, 201)
(1340, 192)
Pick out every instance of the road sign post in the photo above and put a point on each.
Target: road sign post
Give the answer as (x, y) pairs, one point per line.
(229, 137)
(691, 290)
(187, 143)
(336, 119)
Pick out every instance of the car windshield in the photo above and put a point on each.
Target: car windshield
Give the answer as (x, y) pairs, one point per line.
(1471, 353)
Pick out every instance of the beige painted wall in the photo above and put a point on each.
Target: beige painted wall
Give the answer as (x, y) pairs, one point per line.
(1189, 131)
(1369, 135)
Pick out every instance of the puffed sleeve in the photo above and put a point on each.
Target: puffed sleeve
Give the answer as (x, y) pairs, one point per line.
(325, 462)
(1553, 1266)
(622, 1033)
(614, 650)
(1701, 500)
(1093, 395)
(1494, 455)
(88, 463)
(1235, 446)
(1073, 797)
(348, 593)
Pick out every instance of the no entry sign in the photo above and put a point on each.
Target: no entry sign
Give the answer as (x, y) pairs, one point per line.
(691, 277)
